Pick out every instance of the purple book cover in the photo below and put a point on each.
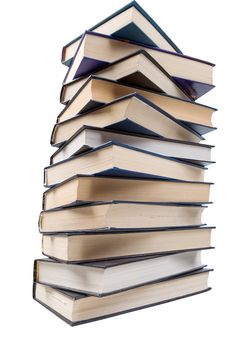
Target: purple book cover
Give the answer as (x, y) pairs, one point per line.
(88, 65)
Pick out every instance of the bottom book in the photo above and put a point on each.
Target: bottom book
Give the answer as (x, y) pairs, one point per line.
(77, 308)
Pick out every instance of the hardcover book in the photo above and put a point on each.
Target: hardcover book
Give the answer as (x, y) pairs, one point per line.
(138, 69)
(132, 23)
(87, 138)
(122, 160)
(95, 50)
(120, 215)
(86, 189)
(99, 245)
(125, 114)
(105, 277)
(77, 308)
(97, 91)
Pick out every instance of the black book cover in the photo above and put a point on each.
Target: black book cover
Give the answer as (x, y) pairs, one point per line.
(79, 202)
(133, 128)
(141, 10)
(149, 57)
(107, 229)
(127, 85)
(77, 296)
(114, 230)
(114, 143)
(135, 134)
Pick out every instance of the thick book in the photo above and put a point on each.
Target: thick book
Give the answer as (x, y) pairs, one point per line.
(121, 160)
(132, 23)
(126, 114)
(76, 308)
(100, 245)
(97, 91)
(120, 215)
(96, 50)
(87, 138)
(138, 69)
(105, 277)
(82, 189)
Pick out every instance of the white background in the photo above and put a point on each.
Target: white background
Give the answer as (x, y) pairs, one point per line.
(32, 36)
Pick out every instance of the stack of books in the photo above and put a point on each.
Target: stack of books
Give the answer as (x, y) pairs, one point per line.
(122, 219)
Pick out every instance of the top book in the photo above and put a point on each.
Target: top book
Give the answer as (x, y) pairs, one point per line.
(131, 23)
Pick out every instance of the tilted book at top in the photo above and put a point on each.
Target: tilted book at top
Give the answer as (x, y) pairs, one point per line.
(132, 23)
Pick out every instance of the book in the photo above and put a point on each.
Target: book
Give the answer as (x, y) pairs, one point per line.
(115, 159)
(125, 114)
(130, 23)
(122, 223)
(120, 215)
(87, 138)
(122, 160)
(96, 50)
(97, 91)
(99, 245)
(77, 308)
(138, 69)
(105, 277)
(87, 189)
